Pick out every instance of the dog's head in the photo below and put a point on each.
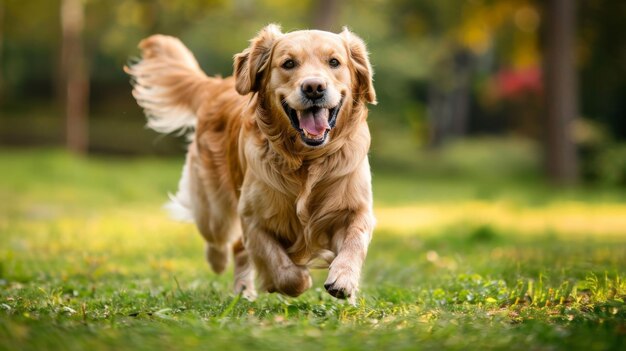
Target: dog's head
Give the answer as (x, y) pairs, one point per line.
(308, 77)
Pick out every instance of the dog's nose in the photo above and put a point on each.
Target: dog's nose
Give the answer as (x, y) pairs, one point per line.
(313, 88)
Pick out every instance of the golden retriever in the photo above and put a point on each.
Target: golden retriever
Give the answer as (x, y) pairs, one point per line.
(277, 170)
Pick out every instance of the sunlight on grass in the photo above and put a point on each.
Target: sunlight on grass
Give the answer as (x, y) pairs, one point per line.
(107, 242)
(564, 219)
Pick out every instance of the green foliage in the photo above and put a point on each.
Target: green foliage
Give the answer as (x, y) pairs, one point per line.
(413, 46)
(89, 261)
(603, 160)
(610, 165)
(479, 158)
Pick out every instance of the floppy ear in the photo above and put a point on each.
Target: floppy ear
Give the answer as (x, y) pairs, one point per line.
(250, 65)
(361, 65)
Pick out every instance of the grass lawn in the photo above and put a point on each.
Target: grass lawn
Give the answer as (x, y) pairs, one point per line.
(90, 261)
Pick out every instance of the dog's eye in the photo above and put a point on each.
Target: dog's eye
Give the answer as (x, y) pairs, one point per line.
(334, 63)
(289, 64)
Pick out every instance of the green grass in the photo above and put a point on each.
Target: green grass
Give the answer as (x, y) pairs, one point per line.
(89, 260)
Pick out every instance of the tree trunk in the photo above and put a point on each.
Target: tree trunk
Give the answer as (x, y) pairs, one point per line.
(325, 14)
(449, 99)
(561, 91)
(74, 76)
(1, 51)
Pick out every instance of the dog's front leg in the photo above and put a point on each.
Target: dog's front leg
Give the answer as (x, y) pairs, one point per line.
(345, 270)
(277, 271)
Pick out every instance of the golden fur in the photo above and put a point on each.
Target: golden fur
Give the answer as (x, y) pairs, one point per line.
(250, 182)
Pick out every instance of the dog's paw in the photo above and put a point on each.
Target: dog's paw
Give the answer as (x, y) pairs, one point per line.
(217, 256)
(246, 291)
(342, 282)
(245, 287)
(293, 281)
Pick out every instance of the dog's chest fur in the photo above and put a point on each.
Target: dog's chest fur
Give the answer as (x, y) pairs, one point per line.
(304, 207)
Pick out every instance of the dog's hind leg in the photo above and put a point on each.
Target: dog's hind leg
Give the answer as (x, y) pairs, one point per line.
(219, 229)
(219, 234)
(213, 211)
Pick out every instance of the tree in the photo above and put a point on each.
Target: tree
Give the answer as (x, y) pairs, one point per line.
(561, 91)
(449, 97)
(74, 76)
(1, 50)
(325, 14)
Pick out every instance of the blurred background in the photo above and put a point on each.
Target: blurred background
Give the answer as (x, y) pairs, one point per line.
(488, 88)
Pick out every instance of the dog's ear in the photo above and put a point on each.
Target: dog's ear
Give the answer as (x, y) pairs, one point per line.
(361, 65)
(253, 62)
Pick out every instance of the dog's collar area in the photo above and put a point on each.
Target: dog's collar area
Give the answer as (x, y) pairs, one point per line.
(295, 122)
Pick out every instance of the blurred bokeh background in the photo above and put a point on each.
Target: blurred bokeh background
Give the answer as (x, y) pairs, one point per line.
(517, 88)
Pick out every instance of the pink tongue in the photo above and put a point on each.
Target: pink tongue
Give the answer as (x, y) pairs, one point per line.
(314, 121)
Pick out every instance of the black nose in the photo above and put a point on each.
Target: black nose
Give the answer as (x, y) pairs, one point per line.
(313, 88)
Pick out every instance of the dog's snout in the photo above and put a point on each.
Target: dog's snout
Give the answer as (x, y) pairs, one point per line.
(313, 88)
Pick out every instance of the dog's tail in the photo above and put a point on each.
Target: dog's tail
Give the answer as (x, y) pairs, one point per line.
(167, 83)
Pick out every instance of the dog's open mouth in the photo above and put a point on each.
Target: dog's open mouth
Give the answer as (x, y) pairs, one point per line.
(313, 123)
